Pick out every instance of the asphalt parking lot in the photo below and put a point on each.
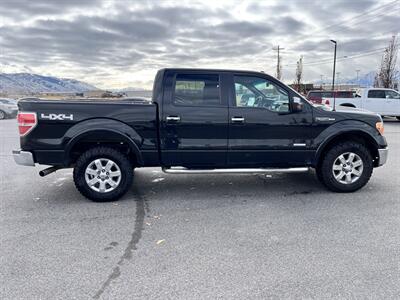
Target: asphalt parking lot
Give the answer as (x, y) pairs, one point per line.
(199, 236)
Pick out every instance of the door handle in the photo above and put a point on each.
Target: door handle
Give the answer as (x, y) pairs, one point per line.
(173, 119)
(237, 120)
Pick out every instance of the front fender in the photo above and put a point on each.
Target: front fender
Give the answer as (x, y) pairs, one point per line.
(103, 130)
(347, 127)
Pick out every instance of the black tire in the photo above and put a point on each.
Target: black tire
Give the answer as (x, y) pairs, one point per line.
(398, 118)
(326, 167)
(318, 173)
(126, 171)
(2, 115)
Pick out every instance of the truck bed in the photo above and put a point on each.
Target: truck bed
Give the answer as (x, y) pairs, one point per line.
(61, 121)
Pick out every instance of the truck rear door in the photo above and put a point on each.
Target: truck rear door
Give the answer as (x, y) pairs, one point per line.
(194, 125)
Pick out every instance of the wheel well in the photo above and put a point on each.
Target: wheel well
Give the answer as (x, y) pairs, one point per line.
(359, 137)
(348, 105)
(86, 143)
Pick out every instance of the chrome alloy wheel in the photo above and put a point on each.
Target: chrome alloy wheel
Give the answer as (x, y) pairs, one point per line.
(347, 168)
(103, 175)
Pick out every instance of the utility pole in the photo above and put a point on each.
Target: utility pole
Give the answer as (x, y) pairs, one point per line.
(333, 76)
(278, 65)
(322, 80)
(358, 71)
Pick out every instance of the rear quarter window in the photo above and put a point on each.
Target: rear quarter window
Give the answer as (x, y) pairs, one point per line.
(345, 94)
(314, 95)
(327, 94)
(376, 94)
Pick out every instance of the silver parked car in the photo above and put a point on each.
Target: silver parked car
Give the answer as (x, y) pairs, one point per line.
(8, 108)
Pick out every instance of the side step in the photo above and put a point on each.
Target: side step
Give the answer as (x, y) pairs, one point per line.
(182, 170)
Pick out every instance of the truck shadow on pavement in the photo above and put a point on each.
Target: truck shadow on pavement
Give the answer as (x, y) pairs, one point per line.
(155, 184)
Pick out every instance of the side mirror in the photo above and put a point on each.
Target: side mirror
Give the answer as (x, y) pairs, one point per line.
(297, 105)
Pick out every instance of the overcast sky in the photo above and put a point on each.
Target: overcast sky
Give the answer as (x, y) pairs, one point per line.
(121, 43)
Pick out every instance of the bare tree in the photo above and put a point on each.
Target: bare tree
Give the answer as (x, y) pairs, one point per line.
(387, 71)
(299, 75)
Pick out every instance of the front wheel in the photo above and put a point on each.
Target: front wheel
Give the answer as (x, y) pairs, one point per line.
(2, 115)
(346, 167)
(103, 174)
(398, 118)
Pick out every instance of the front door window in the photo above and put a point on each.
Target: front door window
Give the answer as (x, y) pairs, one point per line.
(258, 92)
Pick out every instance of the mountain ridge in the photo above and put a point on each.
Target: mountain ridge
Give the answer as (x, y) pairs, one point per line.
(28, 83)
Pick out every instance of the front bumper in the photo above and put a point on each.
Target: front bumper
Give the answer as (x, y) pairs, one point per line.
(23, 158)
(383, 156)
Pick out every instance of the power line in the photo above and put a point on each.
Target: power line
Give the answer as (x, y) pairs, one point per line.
(373, 18)
(357, 17)
(354, 18)
(325, 61)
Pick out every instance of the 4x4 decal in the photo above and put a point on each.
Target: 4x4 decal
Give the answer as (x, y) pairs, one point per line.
(55, 117)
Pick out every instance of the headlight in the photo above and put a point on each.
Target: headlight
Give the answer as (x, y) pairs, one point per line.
(379, 126)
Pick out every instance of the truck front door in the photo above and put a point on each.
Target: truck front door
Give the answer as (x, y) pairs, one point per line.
(263, 132)
(194, 125)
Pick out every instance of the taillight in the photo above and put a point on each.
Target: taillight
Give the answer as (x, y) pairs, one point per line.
(327, 102)
(26, 122)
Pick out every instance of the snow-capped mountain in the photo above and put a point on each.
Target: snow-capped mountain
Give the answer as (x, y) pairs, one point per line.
(364, 80)
(367, 80)
(27, 83)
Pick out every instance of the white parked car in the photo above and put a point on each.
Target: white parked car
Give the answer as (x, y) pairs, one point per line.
(385, 102)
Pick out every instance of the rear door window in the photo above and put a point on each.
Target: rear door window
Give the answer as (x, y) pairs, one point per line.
(197, 90)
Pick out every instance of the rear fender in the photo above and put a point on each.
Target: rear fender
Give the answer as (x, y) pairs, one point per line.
(103, 131)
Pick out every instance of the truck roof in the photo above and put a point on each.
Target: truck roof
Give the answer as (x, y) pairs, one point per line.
(212, 70)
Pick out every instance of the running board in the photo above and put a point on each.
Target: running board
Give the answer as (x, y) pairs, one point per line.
(182, 170)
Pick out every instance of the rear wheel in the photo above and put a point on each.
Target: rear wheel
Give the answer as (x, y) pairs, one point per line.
(2, 115)
(103, 174)
(398, 118)
(346, 167)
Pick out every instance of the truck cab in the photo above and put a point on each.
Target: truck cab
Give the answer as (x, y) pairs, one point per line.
(232, 119)
(385, 102)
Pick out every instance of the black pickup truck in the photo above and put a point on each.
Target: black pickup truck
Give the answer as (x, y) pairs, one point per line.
(200, 121)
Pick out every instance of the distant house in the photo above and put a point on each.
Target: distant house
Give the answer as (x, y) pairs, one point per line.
(58, 94)
(94, 94)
